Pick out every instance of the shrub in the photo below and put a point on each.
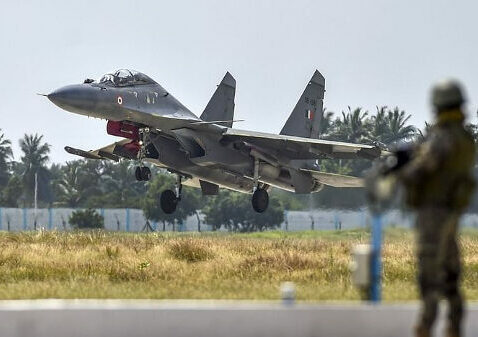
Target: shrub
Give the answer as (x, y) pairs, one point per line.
(190, 250)
(86, 219)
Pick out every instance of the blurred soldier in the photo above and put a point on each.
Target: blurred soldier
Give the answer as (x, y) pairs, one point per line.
(438, 184)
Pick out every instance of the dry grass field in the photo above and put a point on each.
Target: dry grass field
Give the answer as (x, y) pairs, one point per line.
(205, 266)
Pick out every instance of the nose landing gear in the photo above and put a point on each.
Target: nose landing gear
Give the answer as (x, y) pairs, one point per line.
(142, 173)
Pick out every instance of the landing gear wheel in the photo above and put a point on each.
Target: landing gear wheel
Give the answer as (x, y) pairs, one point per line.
(138, 174)
(145, 173)
(142, 173)
(168, 201)
(260, 200)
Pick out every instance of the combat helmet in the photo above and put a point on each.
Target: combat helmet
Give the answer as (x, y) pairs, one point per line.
(447, 94)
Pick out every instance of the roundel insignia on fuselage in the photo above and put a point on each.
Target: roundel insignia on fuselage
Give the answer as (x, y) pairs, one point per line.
(120, 100)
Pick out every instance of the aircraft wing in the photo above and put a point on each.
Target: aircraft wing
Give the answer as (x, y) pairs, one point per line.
(303, 148)
(112, 152)
(336, 180)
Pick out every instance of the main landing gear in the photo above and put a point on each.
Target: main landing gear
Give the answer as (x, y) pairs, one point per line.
(260, 200)
(169, 199)
(260, 197)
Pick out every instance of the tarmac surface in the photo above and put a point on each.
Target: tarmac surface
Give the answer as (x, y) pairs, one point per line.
(122, 318)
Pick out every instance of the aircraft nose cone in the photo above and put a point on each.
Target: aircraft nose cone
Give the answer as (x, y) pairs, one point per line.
(75, 98)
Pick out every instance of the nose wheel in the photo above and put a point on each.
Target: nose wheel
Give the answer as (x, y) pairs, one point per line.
(142, 173)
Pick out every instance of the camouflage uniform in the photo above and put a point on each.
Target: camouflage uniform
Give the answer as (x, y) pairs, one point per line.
(439, 184)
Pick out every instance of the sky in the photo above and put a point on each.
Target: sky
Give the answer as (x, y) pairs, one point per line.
(381, 52)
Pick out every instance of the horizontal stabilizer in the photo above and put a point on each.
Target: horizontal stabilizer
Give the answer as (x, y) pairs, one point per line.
(336, 180)
(108, 152)
(81, 153)
(107, 155)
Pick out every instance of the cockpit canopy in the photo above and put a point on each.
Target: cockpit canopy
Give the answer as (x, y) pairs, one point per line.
(125, 78)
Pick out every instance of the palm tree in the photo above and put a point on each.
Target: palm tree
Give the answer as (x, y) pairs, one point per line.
(77, 181)
(119, 183)
(379, 127)
(69, 185)
(326, 123)
(5, 155)
(388, 127)
(352, 127)
(421, 134)
(34, 160)
(397, 128)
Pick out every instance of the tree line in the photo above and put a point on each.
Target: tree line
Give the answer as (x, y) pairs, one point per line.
(86, 183)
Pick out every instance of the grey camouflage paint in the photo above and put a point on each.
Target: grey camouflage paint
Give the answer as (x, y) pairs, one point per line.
(207, 149)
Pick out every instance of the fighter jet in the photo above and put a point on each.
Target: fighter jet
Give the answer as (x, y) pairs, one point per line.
(206, 152)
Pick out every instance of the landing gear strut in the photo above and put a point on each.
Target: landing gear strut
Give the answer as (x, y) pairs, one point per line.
(260, 197)
(142, 173)
(169, 198)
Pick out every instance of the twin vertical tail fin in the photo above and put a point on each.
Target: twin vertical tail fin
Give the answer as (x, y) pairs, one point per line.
(221, 104)
(304, 121)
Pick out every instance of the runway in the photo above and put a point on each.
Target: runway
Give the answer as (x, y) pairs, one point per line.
(141, 318)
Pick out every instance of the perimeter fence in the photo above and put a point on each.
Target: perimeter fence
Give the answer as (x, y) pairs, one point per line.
(133, 220)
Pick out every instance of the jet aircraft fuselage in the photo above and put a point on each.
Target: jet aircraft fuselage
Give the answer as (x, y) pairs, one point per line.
(206, 152)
